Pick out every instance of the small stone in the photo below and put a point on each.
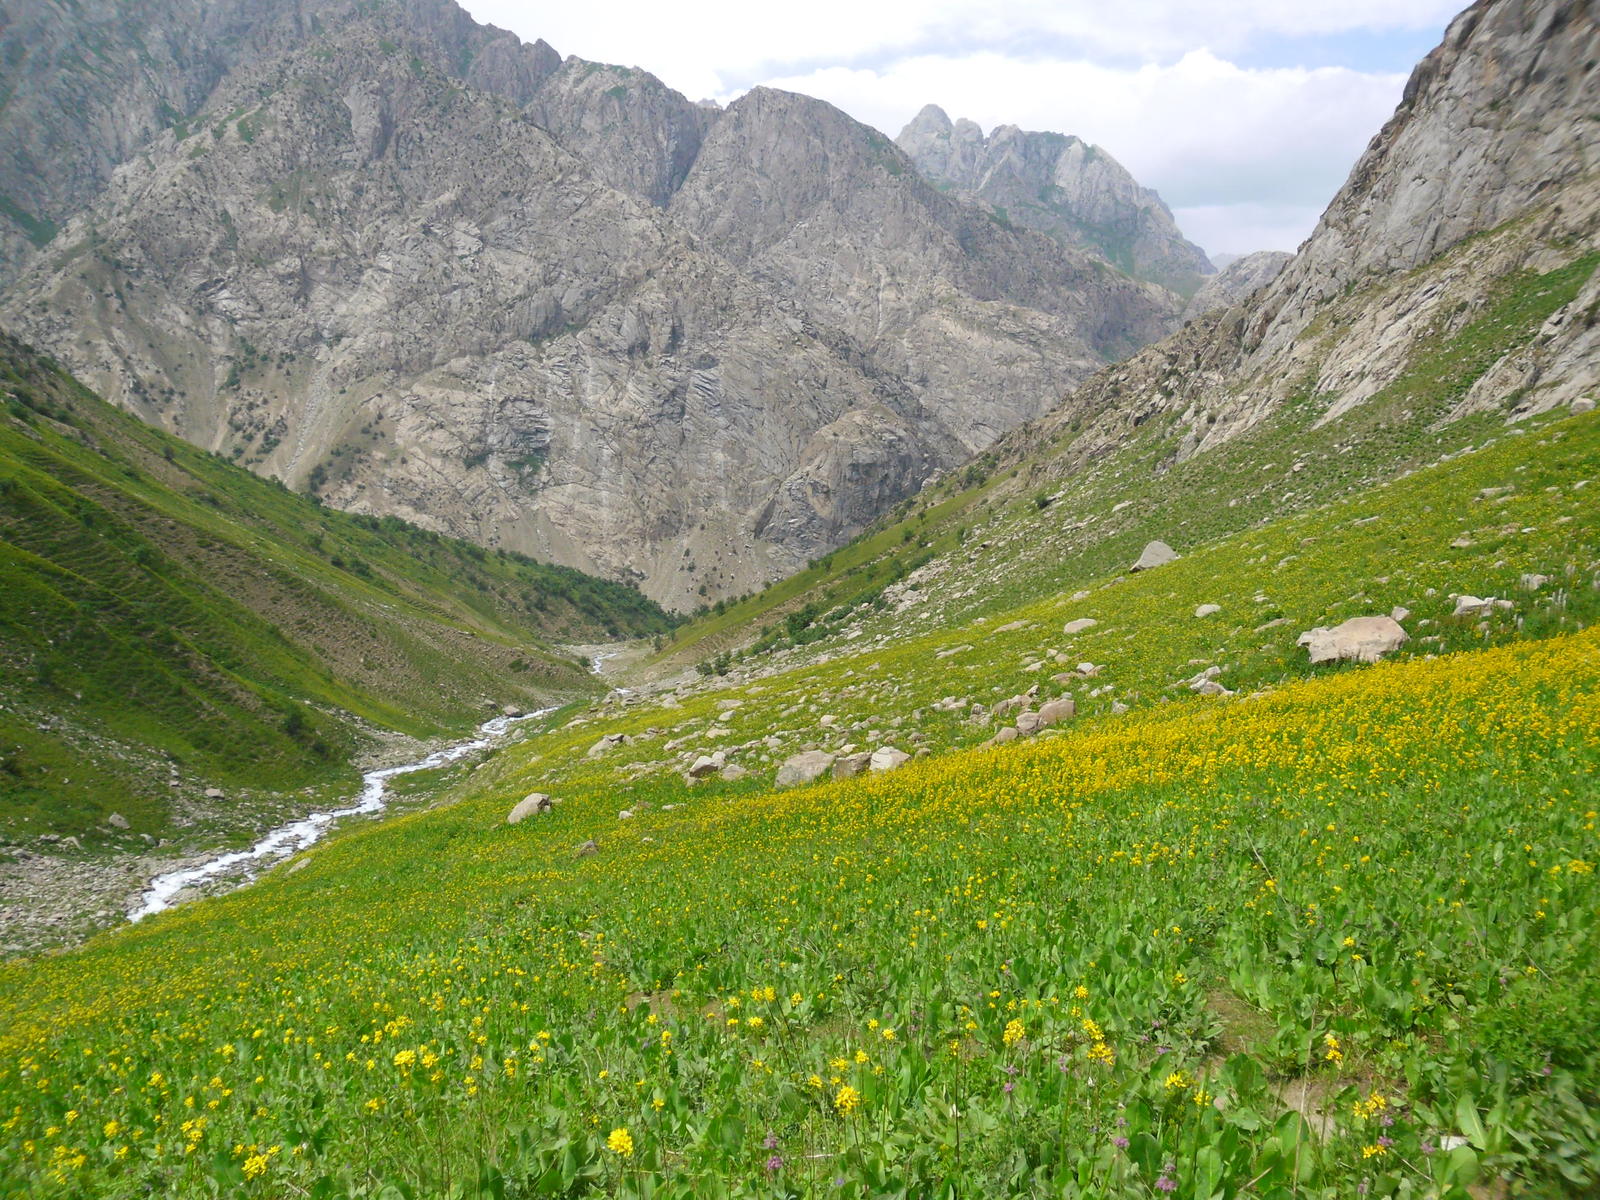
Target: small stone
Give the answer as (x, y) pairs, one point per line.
(117, 821)
(625, 815)
(1472, 606)
(1532, 583)
(1078, 626)
(215, 794)
(588, 848)
(1206, 610)
(1399, 613)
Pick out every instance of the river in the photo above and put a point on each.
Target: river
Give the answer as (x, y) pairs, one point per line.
(298, 835)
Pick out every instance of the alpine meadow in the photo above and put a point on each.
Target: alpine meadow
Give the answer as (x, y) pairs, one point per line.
(560, 640)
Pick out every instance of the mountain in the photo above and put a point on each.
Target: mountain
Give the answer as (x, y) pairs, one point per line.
(412, 265)
(1243, 275)
(1061, 186)
(168, 613)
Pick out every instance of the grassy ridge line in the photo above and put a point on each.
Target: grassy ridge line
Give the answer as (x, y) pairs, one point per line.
(163, 602)
(1371, 857)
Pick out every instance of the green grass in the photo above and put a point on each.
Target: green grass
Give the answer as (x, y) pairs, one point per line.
(38, 230)
(164, 605)
(1335, 935)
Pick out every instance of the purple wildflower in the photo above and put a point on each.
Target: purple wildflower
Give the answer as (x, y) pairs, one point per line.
(770, 1142)
(775, 1164)
(1427, 1146)
(1010, 1087)
(1166, 1184)
(1120, 1142)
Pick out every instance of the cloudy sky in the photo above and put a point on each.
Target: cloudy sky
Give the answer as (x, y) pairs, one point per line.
(1246, 115)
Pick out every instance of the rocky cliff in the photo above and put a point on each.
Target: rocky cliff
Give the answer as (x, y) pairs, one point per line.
(1478, 197)
(1060, 186)
(556, 307)
(1242, 277)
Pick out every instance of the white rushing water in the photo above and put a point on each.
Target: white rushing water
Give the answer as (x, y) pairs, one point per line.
(297, 835)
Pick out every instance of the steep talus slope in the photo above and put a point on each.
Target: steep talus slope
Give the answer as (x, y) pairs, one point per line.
(87, 83)
(937, 293)
(1059, 185)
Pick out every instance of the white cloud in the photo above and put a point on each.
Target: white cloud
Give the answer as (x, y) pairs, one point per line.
(1242, 153)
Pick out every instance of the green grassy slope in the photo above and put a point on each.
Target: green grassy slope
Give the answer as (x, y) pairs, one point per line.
(1042, 512)
(1334, 936)
(161, 603)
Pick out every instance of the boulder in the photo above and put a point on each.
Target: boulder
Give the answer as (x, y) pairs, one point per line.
(1472, 606)
(1008, 734)
(1582, 405)
(1156, 554)
(1206, 610)
(1209, 687)
(530, 805)
(1052, 711)
(707, 764)
(732, 773)
(117, 821)
(805, 767)
(1028, 723)
(1360, 639)
(848, 766)
(214, 794)
(511, 710)
(1078, 626)
(1118, 707)
(887, 758)
(605, 743)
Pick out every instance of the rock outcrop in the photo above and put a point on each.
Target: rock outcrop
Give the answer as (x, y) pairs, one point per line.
(1241, 278)
(1061, 186)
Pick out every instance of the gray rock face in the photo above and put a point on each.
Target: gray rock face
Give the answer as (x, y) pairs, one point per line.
(1060, 186)
(1242, 277)
(1360, 639)
(1495, 124)
(71, 117)
(558, 310)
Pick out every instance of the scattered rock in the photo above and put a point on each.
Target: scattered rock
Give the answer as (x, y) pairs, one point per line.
(1118, 707)
(117, 821)
(215, 794)
(1028, 723)
(887, 758)
(1008, 734)
(625, 815)
(1078, 626)
(1012, 626)
(1472, 606)
(604, 744)
(1583, 405)
(1360, 639)
(1061, 709)
(511, 710)
(805, 767)
(1399, 613)
(1206, 610)
(588, 848)
(848, 766)
(1156, 554)
(707, 764)
(530, 805)
(1532, 583)
(732, 773)
(1209, 687)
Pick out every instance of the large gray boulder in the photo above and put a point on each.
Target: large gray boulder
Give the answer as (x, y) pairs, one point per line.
(1360, 639)
(887, 758)
(805, 767)
(531, 805)
(1156, 554)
